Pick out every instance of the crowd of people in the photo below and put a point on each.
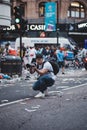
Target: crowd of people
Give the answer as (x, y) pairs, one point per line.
(60, 54)
(29, 53)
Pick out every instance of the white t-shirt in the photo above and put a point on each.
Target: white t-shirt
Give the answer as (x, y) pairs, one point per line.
(48, 66)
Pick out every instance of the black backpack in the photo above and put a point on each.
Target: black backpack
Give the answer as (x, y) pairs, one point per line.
(54, 64)
(55, 67)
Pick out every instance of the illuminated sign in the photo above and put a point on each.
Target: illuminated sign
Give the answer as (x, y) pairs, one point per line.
(12, 27)
(31, 27)
(82, 25)
(34, 27)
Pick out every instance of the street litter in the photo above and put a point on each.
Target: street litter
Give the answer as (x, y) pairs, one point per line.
(83, 69)
(4, 101)
(30, 110)
(67, 99)
(36, 107)
(68, 79)
(4, 76)
(25, 74)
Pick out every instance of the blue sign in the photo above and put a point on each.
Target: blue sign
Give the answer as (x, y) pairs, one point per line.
(50, 16)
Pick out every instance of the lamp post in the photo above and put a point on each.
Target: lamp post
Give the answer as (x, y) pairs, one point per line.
(57, 29)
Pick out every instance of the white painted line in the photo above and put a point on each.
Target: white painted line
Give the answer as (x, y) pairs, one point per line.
(62, 87)
(50, 92)
(75, 87)
(68, 79)
(14, 102)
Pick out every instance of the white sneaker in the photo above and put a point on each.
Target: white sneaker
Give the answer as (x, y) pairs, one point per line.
(40, 95)
(46, 92)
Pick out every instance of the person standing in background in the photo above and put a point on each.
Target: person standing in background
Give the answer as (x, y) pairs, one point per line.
(23, 49)
(61, 61)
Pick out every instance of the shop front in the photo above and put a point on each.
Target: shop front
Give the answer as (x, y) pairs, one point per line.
(79, 34)
(33, 31)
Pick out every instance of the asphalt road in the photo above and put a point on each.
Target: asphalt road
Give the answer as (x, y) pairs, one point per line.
(64, 109)
(16, 89)
(66, 112)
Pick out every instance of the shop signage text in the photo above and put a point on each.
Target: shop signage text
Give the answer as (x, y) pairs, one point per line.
(82, 25)
(31, 27)
(34, 27)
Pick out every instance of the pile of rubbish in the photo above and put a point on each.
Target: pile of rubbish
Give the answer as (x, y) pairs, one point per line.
(25, 74)
(6, 79)
(4, 76)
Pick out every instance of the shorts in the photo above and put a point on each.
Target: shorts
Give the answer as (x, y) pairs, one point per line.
(61, 64)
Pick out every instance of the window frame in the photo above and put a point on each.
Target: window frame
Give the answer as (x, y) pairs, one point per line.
(76, 11)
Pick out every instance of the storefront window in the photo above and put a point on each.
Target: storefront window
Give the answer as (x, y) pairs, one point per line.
(82, 13)
(76, 10)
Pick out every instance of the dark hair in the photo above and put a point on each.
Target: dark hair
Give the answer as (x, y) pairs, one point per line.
(39, 56)
(7, 44)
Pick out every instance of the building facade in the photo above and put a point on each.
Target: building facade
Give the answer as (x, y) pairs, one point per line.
(69, 11)
(70, 17)
(71, 14)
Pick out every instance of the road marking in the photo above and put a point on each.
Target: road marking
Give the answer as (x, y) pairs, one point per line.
(75, 86)
(68, 79)
(50, 92)
(62, 87)
(14, 102)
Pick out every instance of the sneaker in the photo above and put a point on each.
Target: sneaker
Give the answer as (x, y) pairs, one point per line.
(46, 92)
(40, 95)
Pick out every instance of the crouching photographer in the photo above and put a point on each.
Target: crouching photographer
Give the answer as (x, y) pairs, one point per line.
(46, 75)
